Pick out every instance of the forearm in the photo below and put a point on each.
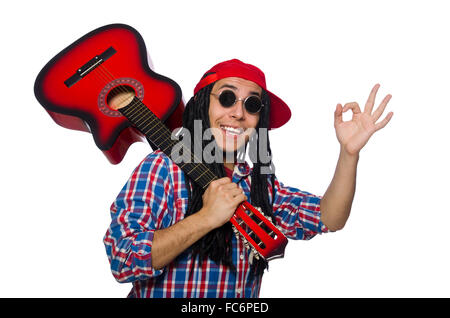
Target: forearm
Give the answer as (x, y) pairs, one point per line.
(337, 201)
(168, 243)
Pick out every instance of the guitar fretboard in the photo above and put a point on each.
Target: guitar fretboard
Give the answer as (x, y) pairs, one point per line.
(161, 136)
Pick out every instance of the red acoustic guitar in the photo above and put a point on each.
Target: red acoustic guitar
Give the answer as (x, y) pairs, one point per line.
(102, 84)
(74, 87)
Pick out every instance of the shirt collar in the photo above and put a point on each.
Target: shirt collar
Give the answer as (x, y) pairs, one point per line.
(242, 169)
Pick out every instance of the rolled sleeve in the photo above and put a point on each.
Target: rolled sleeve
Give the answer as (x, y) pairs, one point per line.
(144, 205)
(297, 212)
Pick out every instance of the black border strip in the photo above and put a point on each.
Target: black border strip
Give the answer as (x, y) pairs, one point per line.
(314, 307)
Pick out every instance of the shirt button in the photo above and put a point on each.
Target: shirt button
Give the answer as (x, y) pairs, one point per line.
(239, 291)
(241, 256)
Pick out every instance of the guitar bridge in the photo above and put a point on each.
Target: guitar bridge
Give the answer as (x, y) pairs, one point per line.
(89, 66)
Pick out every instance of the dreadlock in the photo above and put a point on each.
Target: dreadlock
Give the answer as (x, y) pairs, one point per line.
(217, 243)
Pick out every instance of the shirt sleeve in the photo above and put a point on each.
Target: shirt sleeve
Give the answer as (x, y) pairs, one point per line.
(297, 212)
(144, 205)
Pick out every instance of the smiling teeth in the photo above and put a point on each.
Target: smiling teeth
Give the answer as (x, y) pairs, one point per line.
(236, 131)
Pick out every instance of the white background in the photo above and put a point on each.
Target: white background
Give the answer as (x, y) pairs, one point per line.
(57, 186)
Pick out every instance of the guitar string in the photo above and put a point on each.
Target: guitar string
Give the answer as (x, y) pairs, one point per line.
(166, 139)
(108, 76)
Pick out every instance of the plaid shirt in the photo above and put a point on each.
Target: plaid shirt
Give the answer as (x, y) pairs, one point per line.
(156, 197)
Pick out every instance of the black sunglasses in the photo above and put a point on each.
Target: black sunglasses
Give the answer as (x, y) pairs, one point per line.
(227, 98)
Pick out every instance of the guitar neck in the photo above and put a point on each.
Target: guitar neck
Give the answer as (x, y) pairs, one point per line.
(161, 136)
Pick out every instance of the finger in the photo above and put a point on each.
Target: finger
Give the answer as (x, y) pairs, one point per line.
(229, 186)
(236, 192)
(371, 100)
(379, 111)
(221, 181)
(384, 122)
(353, 106)
(338, 115)
(240, 198)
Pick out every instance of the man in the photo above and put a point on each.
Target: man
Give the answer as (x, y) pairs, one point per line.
(172, 239)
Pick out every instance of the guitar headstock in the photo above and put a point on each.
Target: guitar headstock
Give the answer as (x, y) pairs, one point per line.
(264, 238)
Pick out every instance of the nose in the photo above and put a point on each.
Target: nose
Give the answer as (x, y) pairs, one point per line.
(237, 110)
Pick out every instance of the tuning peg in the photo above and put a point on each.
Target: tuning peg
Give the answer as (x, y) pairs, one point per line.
(236, 233)
(261, 211)
(250, 258)
(255, 252)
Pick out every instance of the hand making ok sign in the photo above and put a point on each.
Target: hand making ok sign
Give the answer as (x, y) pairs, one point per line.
(354, 134)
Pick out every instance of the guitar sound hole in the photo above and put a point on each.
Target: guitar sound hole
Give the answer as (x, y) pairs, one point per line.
(120, 96)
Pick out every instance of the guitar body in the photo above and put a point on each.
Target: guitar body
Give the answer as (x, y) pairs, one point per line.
(75, 85)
